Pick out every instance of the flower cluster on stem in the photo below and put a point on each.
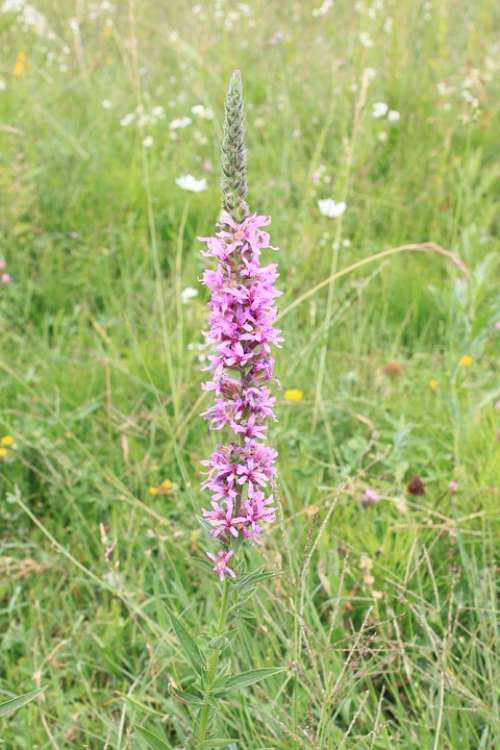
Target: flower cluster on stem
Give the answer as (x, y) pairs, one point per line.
(242, 313)
(241, 471)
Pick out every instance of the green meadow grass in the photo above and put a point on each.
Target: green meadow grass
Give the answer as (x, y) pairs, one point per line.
(383, 617)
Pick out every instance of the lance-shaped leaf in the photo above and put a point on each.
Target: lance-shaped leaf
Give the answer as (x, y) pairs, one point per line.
(154, 742)
(244, 679)
(8, 707)
(189, 645)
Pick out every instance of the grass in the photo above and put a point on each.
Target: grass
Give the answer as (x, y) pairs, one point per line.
(382, 617)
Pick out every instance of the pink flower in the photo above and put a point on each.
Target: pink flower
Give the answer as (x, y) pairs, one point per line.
(223, 520)
(5, 278)
(453, 486)
(221, 567)
(370, 497)
(241, 332)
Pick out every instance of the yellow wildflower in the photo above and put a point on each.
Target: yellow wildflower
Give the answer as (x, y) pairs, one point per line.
(293, 394)
(107, 30)
(466, 361)
(7, 440)
(20, 66)
(4, 452)
(433, 384)
(165, 488)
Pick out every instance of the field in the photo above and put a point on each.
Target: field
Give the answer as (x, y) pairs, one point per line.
(380, 606)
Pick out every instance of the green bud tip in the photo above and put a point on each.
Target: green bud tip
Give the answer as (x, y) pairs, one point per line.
(233, 153)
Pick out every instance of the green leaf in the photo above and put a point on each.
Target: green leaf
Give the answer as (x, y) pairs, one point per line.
(219, 643)
(8, 707)
(152, 739)
(248, 678)
(220, 742)
(252, 578)
(189, 645)
(186, 697)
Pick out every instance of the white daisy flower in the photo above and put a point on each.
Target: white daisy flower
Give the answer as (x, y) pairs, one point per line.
(180, 122)
(379, 109)
(323, 9)
(365, 39)
(332, 209)
(188, 182)
(127, 119)
(188, 293)
(199, 110)
(393, 116)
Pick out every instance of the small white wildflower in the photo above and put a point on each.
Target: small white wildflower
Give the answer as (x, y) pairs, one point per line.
(29, 16)
(393, 116)
(365, 39)
(74, 25)
(369, 73)
(187, 294)
(379, 109)
(14, 6)
(444, 89)
(346, 243)
(148, 141)
(3, 85)
(127, 119)
(470, 98)
(188, 182)
(158, 112)
(180, 122)
(382, 136)
(332, 209)
(323, 9)
(199, 110)
(106, 104)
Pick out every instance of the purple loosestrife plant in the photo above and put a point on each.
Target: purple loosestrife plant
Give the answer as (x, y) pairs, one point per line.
(241, 470)
(241, 332)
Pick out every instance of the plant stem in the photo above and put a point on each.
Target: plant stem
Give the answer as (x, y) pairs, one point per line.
(213, 663)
